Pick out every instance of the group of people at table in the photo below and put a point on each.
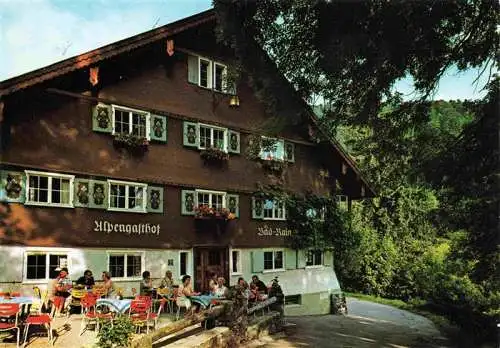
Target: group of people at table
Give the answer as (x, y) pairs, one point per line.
(62, 286)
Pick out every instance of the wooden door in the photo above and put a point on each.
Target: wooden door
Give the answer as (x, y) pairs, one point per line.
(208, 261)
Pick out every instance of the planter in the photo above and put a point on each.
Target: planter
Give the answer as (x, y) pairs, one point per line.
(274, 166)
(131, 143)
(214, 156)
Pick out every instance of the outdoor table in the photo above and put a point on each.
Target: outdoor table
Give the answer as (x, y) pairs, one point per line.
(204, 300)
(120, 306)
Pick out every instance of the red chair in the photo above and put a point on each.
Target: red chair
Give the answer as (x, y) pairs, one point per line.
(57, 305)
(154, 316)
(36, 317)
(88, 303)
(139, 313)
(8, 311)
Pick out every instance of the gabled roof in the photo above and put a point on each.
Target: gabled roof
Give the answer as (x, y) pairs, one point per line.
(89, 58)
(95, 56)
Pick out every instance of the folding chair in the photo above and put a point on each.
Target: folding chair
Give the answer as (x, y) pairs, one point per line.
(9, 318)
(36, 317)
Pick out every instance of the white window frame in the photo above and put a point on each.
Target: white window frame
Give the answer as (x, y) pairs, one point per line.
(188, 263)
(224, 194)
(239, 271)
(224, 77)
(128, 183)
(274, 210)
(321, 265)
(278, 140)
(212, 128)
(126, 253)
(130, 111)
(47, 254)
(49, 190)
(343, 202)
(282, 269)
(210, 73)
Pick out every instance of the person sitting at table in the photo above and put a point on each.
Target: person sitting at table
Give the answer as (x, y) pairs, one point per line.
(109, 287)
(61, 287)
(261, 287)
(243, 284)
(167, 282)
(212, 284)
(221, 290)
(183, 292)
(146, 284)
(86, 280)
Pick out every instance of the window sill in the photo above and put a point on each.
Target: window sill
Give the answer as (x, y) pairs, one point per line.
(315, 266)
(237, 274)
(133, 279)
(50, 205)
(272, 219)
(35, 281)
(274, 270)
(127, 210)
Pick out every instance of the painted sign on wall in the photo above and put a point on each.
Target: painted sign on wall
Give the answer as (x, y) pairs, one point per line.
(128, 229)
(276, 232)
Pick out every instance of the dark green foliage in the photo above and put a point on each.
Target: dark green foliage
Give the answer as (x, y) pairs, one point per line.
(116, 335)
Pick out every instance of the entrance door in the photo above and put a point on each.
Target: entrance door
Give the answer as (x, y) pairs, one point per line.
(208, 261)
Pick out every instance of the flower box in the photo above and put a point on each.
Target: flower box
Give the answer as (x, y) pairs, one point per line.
(131, 142)
(214, 154)
(204, 212)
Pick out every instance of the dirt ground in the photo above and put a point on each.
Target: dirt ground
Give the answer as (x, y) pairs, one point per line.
(368, 324)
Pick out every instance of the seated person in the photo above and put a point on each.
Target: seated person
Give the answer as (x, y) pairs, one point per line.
(261, 287)
(212, 284)
(243, 284)
(146, 284)
(62, 284)
(254, 293)
(167, 282)
(221, 290)
(183, 292)
(108, 286)
(87, 280)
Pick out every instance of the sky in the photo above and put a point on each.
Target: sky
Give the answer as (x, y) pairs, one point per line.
(36, 33)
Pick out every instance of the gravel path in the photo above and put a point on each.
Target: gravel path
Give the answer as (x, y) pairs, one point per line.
(367, 325)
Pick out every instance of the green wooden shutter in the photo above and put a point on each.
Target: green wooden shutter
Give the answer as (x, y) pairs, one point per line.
(98, 194)
(13, 186)
(158, 128)
(257, 261)
(191, 133)
(155, 199)
(290, 259)
(193, 69)
(81, 196)
(257, 208)
(101, 118)
(233, 204)
(188, 201)
(289, 152)
(233, 141)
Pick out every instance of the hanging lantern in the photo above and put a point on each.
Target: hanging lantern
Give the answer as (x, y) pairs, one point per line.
(170, 47)
(234, 101)
(94, 76)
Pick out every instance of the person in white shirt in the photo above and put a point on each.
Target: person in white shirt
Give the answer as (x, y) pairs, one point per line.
(221, 290)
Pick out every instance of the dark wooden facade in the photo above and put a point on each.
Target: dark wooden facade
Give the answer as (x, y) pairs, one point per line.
(47, 126)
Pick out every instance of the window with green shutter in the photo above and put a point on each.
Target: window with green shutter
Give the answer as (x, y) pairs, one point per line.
(155, 199)
(158, 128)
(81, 198)
(188, 202)
(289, 152)
(191, 134)
(257, 258)
(13, 186)
(102, 118)
(233, 141)
(257, 208)
(98, 194)
(233, 204)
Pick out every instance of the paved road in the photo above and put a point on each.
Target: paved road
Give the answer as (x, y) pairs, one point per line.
(367, 325)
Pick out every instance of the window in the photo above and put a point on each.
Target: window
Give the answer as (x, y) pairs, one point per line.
(216, 200)
(343, 202)
(129, 121)
(42, 266)
(205, 72)
(314, 258)
(183, 263)
(274, 210)
(293, 300)
(50, 189)
(220, 77)
(273, 260)
(236, 262)
(127, 196)
(213, 137)
(272, 149)
(126, 265)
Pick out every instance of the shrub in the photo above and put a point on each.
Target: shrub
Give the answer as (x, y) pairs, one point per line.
(116, 335)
